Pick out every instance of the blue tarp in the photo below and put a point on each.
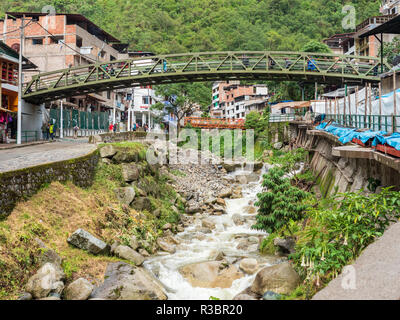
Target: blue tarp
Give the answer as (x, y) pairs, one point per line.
(346, 135)
(393, 140)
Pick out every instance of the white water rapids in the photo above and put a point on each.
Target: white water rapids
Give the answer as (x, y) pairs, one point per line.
(224, 238)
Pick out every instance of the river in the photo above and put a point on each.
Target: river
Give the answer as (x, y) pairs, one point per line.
(224, 238)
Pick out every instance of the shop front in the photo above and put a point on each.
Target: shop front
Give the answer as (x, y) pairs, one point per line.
(8, 115)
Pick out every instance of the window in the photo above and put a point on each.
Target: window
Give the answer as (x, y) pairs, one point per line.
(108, 94)
(79, 42)
(146, 100)
(37, 42)
(56, 40)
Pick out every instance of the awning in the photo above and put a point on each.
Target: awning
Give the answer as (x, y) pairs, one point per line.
(66, 104)
(6, 110)
(97, 97)
(292, 105)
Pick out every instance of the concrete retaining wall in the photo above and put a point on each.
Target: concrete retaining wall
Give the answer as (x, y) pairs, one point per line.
(339, 174)
(21, 184)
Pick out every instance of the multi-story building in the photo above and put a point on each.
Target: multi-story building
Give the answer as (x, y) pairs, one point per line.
(231, 98)
(63, 41)
(9, 64)
(370, 46)
(390, 7)
(341, 43)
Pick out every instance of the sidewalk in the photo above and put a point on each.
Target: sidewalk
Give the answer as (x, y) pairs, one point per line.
(376, 273)
(6, 146)
(36, 154)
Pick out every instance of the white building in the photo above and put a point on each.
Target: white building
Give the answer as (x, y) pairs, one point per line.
(140, 101)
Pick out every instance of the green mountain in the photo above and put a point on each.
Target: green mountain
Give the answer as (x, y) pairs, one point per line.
(175, 26)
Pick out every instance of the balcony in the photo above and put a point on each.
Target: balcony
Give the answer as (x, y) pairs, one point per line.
(373, 22)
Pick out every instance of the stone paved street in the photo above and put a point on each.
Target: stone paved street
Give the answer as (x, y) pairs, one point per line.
(12, 159)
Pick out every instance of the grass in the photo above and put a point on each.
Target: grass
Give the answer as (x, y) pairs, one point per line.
(59, 209)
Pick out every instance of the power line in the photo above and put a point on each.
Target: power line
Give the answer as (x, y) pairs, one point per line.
(64, 43)
(15, 30)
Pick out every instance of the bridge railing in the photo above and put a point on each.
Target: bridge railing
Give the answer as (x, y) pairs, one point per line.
(203, 66)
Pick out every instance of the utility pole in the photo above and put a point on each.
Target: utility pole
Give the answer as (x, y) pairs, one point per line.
(20, 79)
(61, 120)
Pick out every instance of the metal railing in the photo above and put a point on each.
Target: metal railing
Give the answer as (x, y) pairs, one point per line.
(29, 136)
(372, 122)
(207, 66)
(282, 117)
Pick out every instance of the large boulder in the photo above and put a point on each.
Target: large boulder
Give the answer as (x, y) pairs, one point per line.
(125, 195)
(133, 242)
(108, 151)
(238, 219)
(278, 145)
(165, 246)
(208, 223)
(80, 289)
(127, 253)
(126, 156)
(249, 266)
(84, 240)
(280, 278)
(210, 274)
(126, 282)
(142, 204)
(130, 172)
(230, 166)
(193, 209)
(225, 193)
(46, 280)
(286, 246)
(46, 254)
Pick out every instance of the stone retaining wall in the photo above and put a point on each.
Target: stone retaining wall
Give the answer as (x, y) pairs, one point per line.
(338, 174)
(126, 136)
(21, 184)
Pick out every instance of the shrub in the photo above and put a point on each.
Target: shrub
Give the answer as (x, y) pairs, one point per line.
(338, 233)
(281, 202)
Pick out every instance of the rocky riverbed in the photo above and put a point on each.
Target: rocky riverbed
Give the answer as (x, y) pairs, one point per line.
(211, 252)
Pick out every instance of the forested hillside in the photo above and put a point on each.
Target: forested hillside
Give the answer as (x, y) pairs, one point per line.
(166, 26)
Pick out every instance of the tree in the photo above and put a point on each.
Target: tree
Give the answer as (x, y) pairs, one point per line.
(316, 46)
(183, 99)
(391, 50)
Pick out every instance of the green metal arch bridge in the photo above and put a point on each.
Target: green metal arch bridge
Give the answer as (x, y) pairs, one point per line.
(206, 66)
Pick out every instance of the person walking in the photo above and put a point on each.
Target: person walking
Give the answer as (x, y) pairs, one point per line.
(111, 127)
(76, 128)
(51, 131)
(134, 126)
(47, 131)
(44, 131)
(115, 127)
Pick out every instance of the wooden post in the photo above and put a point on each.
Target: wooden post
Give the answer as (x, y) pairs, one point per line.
(344, 106)
(335, 108)
(351, 122)
(326, 106)
(366, 105)
(380, 106)
(316, 91)
(330, 106)
(394, 102)
(356, 111)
